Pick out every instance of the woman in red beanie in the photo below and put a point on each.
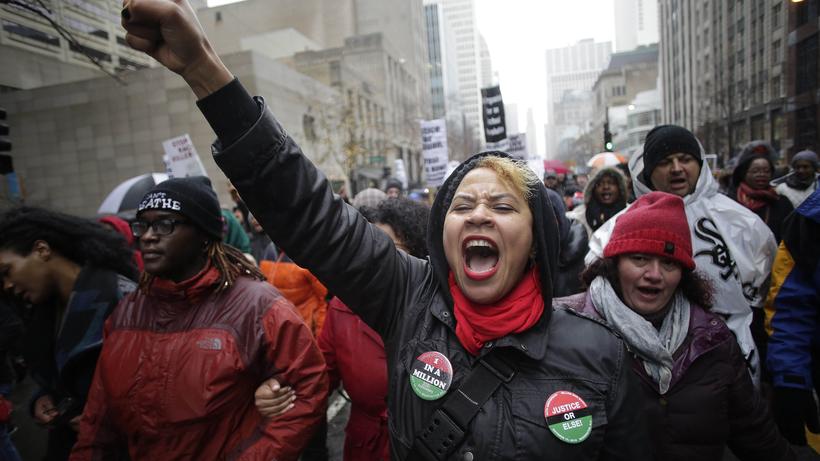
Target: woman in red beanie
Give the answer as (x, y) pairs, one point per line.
(699, 396)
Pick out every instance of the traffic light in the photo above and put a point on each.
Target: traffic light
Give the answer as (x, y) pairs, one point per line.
(608, 146)
(5, 144)
(6, 165)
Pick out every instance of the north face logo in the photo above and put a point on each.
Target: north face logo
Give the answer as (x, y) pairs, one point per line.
(210, 344)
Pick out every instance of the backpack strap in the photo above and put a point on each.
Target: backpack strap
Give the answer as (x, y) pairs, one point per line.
(447, 426)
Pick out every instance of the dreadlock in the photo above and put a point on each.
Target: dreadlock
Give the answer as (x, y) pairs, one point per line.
(80, 240)
(230, 262)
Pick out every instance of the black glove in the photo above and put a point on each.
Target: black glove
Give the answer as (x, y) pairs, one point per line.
(792, 409)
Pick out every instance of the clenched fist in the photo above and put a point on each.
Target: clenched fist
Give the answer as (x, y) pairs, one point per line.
(169, 31)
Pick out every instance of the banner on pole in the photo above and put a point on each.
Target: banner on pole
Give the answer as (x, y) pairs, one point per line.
(181, 159)
(495, 127)
(517, 146)
(434, 146)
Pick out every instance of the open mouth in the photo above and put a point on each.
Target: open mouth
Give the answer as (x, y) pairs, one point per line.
(677, 183)
(649, 292)
(480, 258)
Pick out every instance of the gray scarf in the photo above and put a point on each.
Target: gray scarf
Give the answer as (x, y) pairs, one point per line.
(654, 347)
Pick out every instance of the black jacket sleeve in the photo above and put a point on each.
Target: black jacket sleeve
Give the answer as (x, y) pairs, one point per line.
(627, 433)
(753, 434)
(295, 204)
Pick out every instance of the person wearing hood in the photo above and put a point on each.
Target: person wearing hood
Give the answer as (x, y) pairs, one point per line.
(751, 188)
(184, 353)
(604, 197)
(731, 245)
(393, 188)
(574, 243)
(480, 364)
(803, 179)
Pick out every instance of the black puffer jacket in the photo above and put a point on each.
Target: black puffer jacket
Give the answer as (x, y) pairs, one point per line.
(406, 301)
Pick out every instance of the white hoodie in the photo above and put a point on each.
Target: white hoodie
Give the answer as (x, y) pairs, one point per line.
(731, 245)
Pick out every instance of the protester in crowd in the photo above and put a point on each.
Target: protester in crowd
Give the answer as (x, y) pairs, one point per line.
(803, 179)
(121, 226)
(574, 244)
(393, 188)
(233, 234)
(11, 330)
(751, 188)
(184, 352)
(732, 246)
(487, 285)
(793, 323)
(573, 197)
(581, 180)
(370, 198)
(300, 287)
(262, 249)
(699, 397)
(74, 272)
(346, 342)
(604, 197)
(551, 180)
(630, 190)
(564, 180)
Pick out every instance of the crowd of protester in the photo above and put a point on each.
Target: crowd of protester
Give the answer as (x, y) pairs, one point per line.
(632, 312)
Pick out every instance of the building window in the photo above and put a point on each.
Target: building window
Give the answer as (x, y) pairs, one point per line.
(127, 64)
(776, 12)
(776, 52)
(82, 26)
(29, 35)
(806, 68)
(807, 11)
(88, 51)
(778, 128)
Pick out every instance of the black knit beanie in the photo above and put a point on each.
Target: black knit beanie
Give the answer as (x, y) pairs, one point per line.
(665, 140)
(192, 197)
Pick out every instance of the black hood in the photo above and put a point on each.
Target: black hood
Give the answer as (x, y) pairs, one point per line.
(612, 172)
(545, 229)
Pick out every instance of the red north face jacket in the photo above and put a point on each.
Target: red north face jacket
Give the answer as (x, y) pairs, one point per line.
(178, 371)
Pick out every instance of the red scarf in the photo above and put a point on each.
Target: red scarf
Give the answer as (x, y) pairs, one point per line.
(194, 289)
(514, 313)
(755, 199)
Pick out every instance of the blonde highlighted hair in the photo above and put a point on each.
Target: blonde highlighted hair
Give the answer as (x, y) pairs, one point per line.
(513, 173)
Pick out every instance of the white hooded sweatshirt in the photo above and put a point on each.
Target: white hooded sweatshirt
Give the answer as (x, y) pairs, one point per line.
(731, 245)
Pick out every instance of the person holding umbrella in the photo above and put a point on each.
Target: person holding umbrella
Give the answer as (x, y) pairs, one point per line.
(479, 362)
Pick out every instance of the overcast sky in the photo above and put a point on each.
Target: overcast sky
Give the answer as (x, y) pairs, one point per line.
(519, 31)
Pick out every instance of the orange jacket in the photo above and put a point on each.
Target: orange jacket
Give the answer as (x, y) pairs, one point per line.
(301, 288)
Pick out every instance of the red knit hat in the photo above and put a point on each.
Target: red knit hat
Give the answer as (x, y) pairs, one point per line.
(655, 224)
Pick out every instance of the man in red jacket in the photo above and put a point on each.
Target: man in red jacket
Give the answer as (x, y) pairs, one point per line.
(184, 353)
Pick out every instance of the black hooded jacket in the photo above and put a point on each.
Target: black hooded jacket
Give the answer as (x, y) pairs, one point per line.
(407, 301)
